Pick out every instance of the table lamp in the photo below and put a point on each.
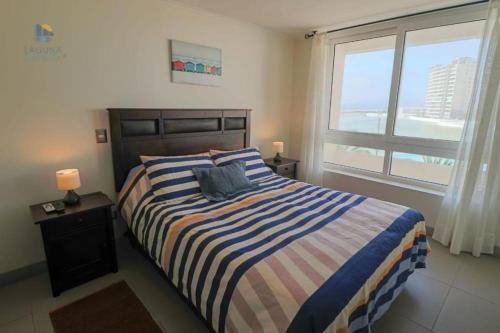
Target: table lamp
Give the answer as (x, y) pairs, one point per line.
(277, 148)
(69, 180)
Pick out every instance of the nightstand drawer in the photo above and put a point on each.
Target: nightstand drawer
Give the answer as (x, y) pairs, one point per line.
(287, 170)
(83, 273)
(74, 224)
(285, 167)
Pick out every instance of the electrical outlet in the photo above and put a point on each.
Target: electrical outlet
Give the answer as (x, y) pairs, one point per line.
(101, 135)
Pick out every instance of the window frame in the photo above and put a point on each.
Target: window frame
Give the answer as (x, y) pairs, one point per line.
(388, 141)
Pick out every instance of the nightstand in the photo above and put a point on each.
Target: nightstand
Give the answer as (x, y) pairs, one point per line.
(79, 243)
(286, 168)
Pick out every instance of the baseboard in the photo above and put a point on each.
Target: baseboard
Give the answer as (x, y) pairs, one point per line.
(23, 273)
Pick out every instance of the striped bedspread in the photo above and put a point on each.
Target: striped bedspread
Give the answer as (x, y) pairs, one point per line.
(284, 257)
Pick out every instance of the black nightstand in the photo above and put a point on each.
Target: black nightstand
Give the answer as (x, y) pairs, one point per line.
(286, 168)
(79, 243)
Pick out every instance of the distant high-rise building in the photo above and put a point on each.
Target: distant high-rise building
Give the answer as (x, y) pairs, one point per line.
(449, 89)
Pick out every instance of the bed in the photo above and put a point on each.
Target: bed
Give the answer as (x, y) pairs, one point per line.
(285, 256)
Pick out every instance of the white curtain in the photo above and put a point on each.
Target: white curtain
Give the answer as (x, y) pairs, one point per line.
(469, 219)
(314, 115)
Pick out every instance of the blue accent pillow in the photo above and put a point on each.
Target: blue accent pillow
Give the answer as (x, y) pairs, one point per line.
(255, 167)
(171, 176)
(220, 182)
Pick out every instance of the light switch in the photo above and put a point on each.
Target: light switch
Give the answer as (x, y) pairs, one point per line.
(101, 135)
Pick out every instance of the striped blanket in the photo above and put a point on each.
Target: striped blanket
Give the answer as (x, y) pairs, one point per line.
(284, 257)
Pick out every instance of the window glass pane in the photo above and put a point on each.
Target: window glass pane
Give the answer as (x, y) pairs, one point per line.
(436, 82)
(353, 156)
(361, 84)
(422, 167)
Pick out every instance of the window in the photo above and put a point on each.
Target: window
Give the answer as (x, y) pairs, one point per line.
(355, 157)
(422, 167)
(436, 81)
(362, 66)
(400, 91)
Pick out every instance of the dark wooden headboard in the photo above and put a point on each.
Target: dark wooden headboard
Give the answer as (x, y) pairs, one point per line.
(168, 132)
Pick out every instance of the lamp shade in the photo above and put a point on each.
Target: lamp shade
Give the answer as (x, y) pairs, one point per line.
(68, 179)
(278, 146)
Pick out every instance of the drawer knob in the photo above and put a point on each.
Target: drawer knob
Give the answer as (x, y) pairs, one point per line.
(80, 220)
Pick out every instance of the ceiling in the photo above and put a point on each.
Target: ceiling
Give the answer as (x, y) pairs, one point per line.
(300, 16)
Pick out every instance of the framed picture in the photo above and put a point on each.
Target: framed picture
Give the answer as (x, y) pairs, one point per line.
(195, 64)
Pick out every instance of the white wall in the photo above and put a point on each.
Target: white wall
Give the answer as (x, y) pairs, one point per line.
(428, 204)
(116, 56)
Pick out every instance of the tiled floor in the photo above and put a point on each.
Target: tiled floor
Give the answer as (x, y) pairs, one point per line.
(453, 295)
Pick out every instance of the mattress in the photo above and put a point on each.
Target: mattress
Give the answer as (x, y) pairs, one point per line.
(286, 256)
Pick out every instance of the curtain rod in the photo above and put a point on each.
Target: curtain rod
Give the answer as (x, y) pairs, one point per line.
(314, 32)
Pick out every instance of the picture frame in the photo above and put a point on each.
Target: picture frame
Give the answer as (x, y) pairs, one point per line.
(195, 64)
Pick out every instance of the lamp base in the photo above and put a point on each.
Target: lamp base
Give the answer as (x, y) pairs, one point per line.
(277, 158)
(71, 198)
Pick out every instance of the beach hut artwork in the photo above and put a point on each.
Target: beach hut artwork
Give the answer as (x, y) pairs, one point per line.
(195, 64)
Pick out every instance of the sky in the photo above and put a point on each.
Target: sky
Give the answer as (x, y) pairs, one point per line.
(361, 76)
